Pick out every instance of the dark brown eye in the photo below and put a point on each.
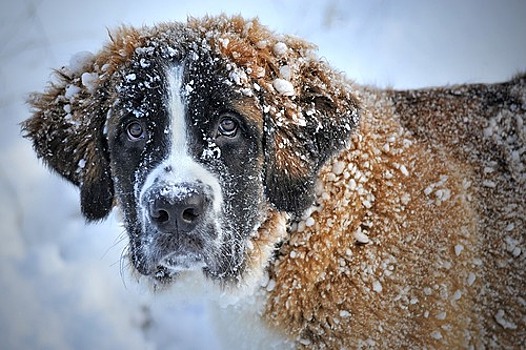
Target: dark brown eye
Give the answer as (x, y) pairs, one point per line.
(228, 126)
(135, 131)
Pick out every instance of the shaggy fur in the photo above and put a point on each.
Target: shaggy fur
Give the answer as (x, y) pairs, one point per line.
(405, 231)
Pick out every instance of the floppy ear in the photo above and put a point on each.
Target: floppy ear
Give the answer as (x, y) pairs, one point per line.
(305, 132)
(67, 131)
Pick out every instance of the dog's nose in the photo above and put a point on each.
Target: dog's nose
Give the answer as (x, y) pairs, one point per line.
(178, 209)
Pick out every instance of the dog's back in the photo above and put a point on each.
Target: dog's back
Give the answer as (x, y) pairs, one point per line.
(485, 125)
(434, 183)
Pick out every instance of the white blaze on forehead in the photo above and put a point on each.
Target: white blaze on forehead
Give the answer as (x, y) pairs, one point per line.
(177, 111)
(180, 167)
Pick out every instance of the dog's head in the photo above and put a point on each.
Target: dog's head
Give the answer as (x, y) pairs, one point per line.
(196, 131)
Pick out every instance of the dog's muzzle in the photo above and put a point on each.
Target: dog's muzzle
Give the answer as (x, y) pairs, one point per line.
(179, 225)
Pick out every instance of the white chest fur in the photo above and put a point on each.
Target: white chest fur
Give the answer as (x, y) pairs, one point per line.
(235, 317)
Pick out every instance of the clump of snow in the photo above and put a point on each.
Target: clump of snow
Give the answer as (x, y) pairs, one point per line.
(79, 62)
(224, 42)
(285, 72)
(188, 88)
(238, 76)
(441, 315)
(404, 170)
(81, 164)
(338, 167)
(130, 77)
(344, 314)
(499, 317)
(280, 49)
(212, 151)
(71, 91)
(439, 191)
(436, 335)
(377, 286)
(262, 44)
(283, 87)
(458, 249)
(143, 62)
(471, 279)
(457, 295)
(512, 246)
(360, 236)
(89, 80)
(271, 285)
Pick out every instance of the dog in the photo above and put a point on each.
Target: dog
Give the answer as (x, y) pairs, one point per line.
(361, 217)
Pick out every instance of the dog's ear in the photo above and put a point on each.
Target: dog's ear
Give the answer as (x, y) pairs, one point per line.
(67, 132)
(308, 121)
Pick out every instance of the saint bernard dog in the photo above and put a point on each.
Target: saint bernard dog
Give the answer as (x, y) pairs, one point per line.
(360, 217)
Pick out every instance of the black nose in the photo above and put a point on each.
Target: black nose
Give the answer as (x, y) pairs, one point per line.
(177, 209)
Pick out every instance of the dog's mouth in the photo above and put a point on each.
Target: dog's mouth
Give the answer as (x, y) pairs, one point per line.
(187, 261)
(174, 263)
(163, 256)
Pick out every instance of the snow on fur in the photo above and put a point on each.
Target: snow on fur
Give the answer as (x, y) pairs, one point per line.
(414, 183)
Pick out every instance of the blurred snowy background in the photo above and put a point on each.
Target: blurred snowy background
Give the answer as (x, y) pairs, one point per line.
(60, 280)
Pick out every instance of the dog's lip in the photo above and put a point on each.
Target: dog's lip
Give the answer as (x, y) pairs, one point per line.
(183, 261)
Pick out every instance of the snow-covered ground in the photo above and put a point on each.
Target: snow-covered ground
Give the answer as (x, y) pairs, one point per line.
(60, 280)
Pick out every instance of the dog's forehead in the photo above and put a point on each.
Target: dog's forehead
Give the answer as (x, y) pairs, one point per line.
(240, 58)
(141, 90)
(148, 77)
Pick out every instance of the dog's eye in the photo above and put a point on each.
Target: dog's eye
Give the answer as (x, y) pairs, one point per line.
(135, 131)
(228, 126)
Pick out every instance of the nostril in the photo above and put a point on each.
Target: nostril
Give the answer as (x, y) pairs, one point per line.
(160, 216)
(190, 215)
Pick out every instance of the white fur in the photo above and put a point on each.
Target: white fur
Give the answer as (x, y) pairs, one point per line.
(184, 169)
(236, 314)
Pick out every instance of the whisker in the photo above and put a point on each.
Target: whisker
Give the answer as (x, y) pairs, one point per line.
(124, 264)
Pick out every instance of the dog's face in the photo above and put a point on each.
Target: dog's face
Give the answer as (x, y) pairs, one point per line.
(196, 132)
(186, 151)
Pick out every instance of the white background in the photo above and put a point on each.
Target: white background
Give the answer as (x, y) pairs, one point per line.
(60, 280)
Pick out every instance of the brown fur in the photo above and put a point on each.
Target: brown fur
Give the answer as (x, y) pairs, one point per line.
(438, 270)
(417, 235)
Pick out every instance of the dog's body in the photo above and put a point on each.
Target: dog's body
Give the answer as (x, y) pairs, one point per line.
(432, 185)
(237, 154)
